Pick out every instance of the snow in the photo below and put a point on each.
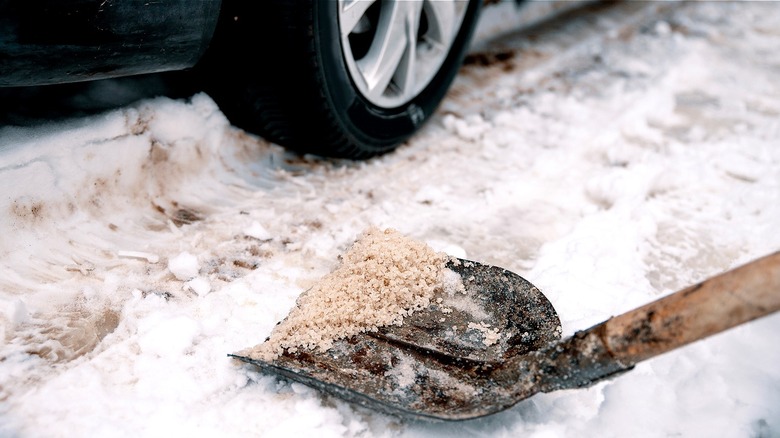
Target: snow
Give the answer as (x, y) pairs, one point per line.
(199, 285)
(184, 266)
(620, 155)
(258, 231)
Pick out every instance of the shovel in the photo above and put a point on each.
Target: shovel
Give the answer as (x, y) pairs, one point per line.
(481, 352)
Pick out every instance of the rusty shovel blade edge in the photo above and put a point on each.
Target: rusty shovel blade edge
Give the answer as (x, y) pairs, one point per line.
(442, 363)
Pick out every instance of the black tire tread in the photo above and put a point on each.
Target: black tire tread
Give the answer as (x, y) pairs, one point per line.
(285, 103)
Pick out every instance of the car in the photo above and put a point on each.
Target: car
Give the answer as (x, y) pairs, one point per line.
(337, 78)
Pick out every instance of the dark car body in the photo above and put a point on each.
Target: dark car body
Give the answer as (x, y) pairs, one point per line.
(295, 72)
(57, 41)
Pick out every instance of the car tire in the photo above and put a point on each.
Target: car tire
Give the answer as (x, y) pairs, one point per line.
(282, 69)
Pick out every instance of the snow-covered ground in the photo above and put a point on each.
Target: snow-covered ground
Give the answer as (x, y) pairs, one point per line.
(610, 157)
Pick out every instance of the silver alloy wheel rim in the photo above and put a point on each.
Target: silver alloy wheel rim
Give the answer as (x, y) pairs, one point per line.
(404, 44)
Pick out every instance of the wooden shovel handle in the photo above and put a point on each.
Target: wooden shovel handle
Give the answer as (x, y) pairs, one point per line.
(712, 306)
(617, 344)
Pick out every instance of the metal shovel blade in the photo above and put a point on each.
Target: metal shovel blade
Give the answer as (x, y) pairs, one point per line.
(441, 362)
(478, 353)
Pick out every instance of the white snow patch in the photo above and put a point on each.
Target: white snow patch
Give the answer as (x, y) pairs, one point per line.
(168, 337)
(199, 285)
(258, 231)
(151, 258)
(184, 266)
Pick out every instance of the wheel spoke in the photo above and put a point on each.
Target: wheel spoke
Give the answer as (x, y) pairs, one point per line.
(351, 13)
(441, 21)
(404, 77)
(391, 42)
(390, 58)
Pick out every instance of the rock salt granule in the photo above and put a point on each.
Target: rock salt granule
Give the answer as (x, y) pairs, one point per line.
(384, 277)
